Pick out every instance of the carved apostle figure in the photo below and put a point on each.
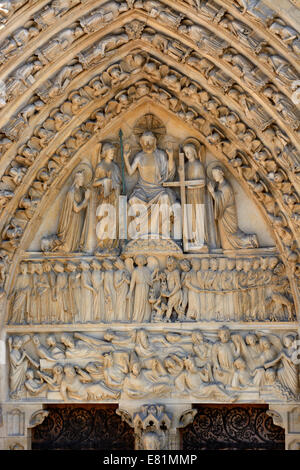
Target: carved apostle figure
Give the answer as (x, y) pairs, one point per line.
(155, 167)
(107, 181)
(230, 235)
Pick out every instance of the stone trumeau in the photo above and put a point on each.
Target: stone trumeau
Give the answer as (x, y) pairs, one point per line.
(149, 216)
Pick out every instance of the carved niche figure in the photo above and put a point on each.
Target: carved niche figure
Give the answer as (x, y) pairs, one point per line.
(230, 235)
(140, 284)
(224, 353)
(191, 282)
(286, 369)
(174, 289)
(61, 293)
(19, 361)
(107, 181)
(73, 221)
(109, 291)
(195, 193)
(97, 280)
(74, 292)
(20, 297)
(154, 166)
(122, 283)
(87, 292)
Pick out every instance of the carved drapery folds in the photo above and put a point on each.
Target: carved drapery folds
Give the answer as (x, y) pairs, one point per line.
(219, 365)
(137, 290)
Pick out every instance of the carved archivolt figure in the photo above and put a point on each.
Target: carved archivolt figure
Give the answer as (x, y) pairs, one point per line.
(230, 235)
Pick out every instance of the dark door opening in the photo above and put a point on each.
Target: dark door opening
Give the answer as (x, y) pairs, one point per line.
(82, 427)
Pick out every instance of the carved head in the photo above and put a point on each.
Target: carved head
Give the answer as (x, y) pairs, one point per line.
(67, 340)
(171, 263)
(79, 178)
(140, 260)
(214, 263)
(57, 369)
(196, 264)
(119, 264)
(29, 374)
(255, 263)
(148, 142)
(272, 262)
(39, 268)
(36, 340)
(47, 266)
(239, 264)
(185, 265)
(205, 264)
(84, 266)
(197, 337)
(71, 267)
(265, 343)
(230, 264)
(251, 339)
(107, 264)
(218, 174)
(224, 335)
(23, 268)
(50, 340)
(95, 264)
(190, 152)
(288, 341)
(247, 265)
(108, 151)
(59, 267)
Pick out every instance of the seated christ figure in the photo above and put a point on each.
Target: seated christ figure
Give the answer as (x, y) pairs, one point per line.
(150, 201)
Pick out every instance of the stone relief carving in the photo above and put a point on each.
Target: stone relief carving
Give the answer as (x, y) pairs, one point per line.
(134, 290)
(221, 365)
(207, 365)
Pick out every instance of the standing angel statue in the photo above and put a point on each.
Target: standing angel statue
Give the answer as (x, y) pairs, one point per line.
(107, 181)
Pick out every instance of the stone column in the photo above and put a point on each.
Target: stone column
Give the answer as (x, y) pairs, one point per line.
(156, 426)
(16, 423)
(288, 417)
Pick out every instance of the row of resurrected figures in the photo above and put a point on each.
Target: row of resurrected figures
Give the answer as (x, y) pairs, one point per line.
(220, 289)
(141, 364)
